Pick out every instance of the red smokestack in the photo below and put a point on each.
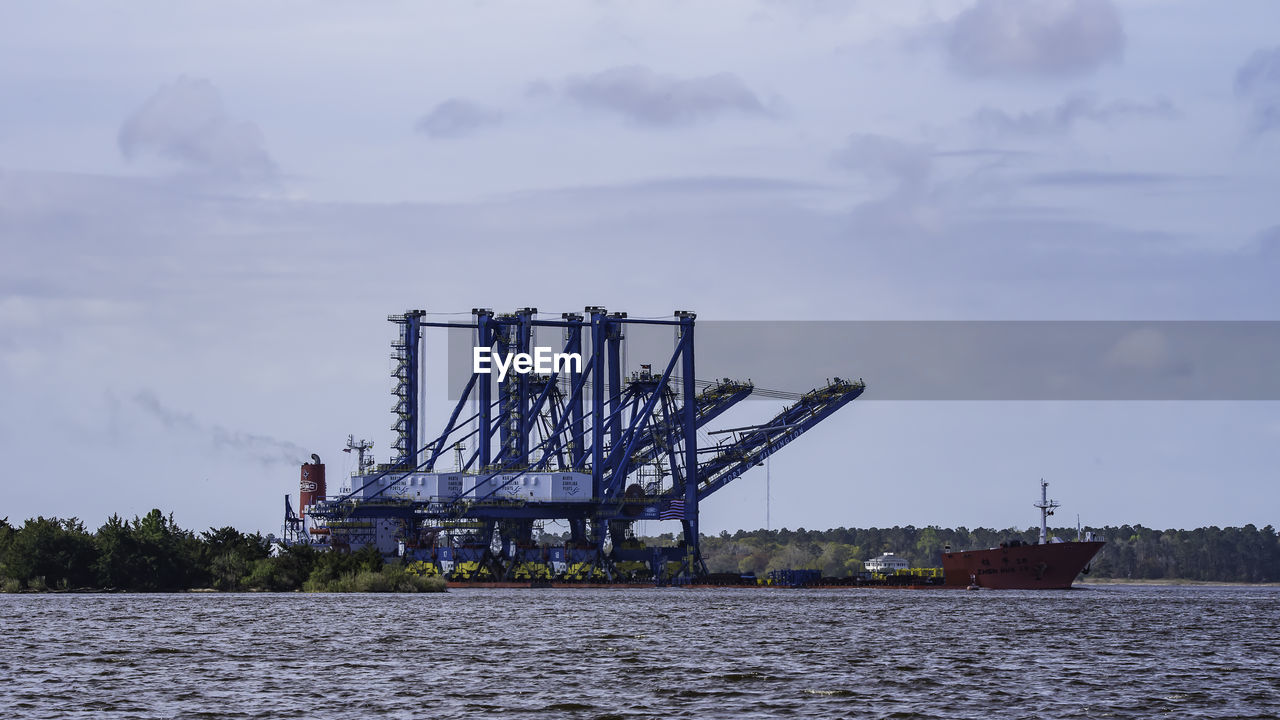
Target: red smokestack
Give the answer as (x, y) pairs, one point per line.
(311, 485)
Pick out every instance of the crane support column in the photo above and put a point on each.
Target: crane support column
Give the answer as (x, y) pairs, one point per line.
(598, 329)
(485, 389)
(405, 351)
(690, 428)
(573, 344)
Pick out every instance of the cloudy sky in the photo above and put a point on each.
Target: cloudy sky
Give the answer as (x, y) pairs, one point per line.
(208, 210)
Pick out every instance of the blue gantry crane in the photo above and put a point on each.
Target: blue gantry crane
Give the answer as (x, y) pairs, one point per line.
(586, 444)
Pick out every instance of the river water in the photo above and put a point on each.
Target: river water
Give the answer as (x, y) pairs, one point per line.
(1092, 652)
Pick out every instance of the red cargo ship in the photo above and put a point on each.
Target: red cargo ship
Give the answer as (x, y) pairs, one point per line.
(1050, 564)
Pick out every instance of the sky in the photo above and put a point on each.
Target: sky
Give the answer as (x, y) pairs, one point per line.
(207, 211)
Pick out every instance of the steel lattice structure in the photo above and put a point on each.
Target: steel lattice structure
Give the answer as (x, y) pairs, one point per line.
(589, 445)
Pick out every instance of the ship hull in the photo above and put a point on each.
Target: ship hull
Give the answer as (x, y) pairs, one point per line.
(1053, 566)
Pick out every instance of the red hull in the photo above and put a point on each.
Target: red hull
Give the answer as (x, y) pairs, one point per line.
(1053, 566)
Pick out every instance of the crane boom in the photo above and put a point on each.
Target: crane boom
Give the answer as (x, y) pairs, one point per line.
(758, 442)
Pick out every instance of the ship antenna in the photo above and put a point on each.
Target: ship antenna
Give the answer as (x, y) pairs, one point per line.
(361, 448)
(1046, 509)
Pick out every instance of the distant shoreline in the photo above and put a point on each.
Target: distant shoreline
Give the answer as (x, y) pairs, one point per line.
(1171, 582)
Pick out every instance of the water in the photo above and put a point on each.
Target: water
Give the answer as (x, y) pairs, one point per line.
(1117, 652)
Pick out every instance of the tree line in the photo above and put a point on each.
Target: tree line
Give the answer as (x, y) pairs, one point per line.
(154, 554)
(1231, 554)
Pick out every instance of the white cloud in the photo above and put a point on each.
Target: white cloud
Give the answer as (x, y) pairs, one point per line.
(1143, 349)
(1035, 37)
(649, 98)
(1061, 118)
(879, 157)
(1258, 85)
(185, 122)
(457, 117)
(905, 171)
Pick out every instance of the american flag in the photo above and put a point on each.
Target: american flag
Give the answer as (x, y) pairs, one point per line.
(673, 511)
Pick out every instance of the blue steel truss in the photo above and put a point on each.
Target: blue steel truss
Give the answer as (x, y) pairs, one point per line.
(590, 420)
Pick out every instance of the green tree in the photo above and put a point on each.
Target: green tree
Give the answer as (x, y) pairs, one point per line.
(795, 556)
(834, 560)
(287, 571)
(6, 541)
(168, 556)
(118, 562)
(53, 552)
(928, 548)
(227, 555)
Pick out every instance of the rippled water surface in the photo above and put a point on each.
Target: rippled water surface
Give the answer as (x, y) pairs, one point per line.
(1090, 653)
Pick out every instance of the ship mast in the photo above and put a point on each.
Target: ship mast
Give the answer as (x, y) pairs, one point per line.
(361, 448)
(1046, 509)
